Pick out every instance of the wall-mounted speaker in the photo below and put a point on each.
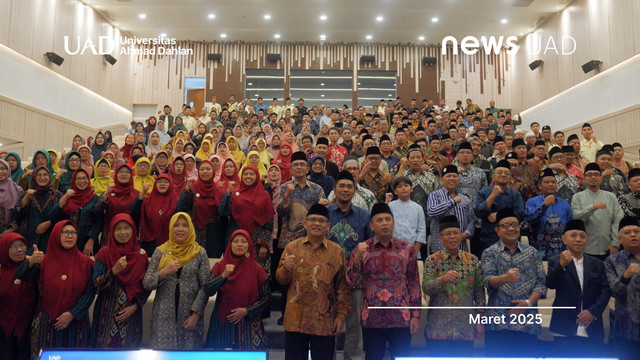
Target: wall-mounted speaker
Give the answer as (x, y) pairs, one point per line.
(274, 57)
(54, 58)
(536, 64)
(110, 59)
(591, 65)
(367, 58)
(214, 57)
(429, 61)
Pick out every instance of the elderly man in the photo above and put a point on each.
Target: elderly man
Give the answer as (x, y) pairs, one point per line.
(630, 202)
(371, 177)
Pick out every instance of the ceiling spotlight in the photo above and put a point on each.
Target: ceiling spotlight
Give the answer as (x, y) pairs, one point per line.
(142, 16)
(223, 35)
(257, 95)
(434, 19)
(323, 37)
(277, 36)
(369, 37)
(322, 95)
(250, 84)
(421, 38)
(267, 17)
(323, 17)
(358, 84)
(504, 21)
(212, 16)
(521, 33)
(379, 18)
(163, 35)
(390, 95)
(321, 84)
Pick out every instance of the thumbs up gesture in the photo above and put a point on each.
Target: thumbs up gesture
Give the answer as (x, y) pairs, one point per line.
(37, 256)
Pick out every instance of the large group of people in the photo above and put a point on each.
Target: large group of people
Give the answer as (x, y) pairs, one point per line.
(333, 208)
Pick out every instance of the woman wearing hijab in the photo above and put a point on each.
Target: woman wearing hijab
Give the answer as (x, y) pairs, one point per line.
(15, 165)
(108, 137)
(117, 155)
(189, 148)
(268, 132)
(10, 194)
(265, 157)
(317, 175)
(201, 201)
(19, 300)
(178, 148)
(129, 142)
(253, 159)
(289, 138)
(178, 271)
(238, 133)
(154, 146)
(234, 149)
(178, 175)
(117, 277)
(205, 150)
(272, 186)
(164, 136)
(102, 176)
(160, 163)
(136, 153)
(274, 146)
(85, 159)
(99, 146)
(33, 209)
(229, 172)
(190, 166)
(142, 138)
(40, 158)
(72, 163)
(118, 197)
(77, 141)
(66, 291)
(78, 204)
(178, 125)
(200, 134)
(243, 294)
(153, 213)
(222, 150)
(151, 124)
(283, 160)
(142, 171)
(55, 159)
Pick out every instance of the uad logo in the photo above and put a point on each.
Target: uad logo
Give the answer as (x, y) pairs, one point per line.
(105, 45)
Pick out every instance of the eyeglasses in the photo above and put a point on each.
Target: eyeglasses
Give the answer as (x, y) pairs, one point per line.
(513, 225)
(317, 220)
(18, 246)
(74, 160)
(450, 233)
(69, 233)
(503, 172)
(300, 164)
(592, 174)
(42, 176)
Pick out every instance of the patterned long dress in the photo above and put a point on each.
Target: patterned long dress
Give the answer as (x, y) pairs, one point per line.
(43, 333)
(31, 215)
(248, 333)
(212, 237)
(177, 296)
(88, 219)
(107, 332)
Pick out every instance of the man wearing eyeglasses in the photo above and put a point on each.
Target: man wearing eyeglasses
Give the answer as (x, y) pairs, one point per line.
(601, 213)
(514, 276)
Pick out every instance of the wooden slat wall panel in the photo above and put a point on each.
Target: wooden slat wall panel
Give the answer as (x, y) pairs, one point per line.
(621, 27)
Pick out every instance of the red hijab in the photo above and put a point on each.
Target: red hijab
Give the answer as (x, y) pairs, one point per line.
(19, 299)
(205, 200)
(285, 163)
(64, 274)
(157, 210)
(243, 285)
(137, 260)
(132, 163)
(126, 148)
(251, 205)
(224, 179)
(178, 181)
(81, 197)
(120, 198)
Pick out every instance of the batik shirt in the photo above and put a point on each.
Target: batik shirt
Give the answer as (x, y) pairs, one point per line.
(567, 186)
(627, 295)
(295, 210)
(378, 184)
(630, 203)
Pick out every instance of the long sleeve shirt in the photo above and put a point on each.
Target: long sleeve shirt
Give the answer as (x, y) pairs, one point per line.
(318, 291)
(626, 292)
(389, 277)
(601, 224)
(589, 148)
(466, 290)
(348, 228)
(509, 198)
(294, 210)
(441, 204)
(497, 260)
(537, 212)
(410, 224)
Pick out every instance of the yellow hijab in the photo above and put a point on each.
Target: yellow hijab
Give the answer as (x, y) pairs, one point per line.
(265, 157)
(139, 181)
(54, 165)
(182, 252)
(237, 154)
(100, 183)
(170, 153)
(204, 155)
(260, 166)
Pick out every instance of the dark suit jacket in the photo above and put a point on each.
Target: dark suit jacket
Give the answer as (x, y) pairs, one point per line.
(594, 298)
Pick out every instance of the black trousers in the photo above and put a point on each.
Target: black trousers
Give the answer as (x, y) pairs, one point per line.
(508, 343)
(275, 260)
(375, 342)
(296, 346)
(449, 348)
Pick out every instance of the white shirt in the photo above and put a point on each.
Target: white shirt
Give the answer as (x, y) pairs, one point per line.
(582, 330)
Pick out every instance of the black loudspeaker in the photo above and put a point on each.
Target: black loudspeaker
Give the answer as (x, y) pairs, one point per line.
(591, 65)
(214, 57)
(536, 64)
(428, 61)
(54, 58)
(367, 58)
(274, 57)
(110, 59)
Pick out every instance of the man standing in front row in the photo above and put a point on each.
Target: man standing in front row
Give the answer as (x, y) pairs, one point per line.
(387, 268)
(318, 300)
(514, 276)
(580, 280)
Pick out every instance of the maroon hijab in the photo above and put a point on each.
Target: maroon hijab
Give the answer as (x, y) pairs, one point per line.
(157, 210)
(251, 205)
(81, 197)
(205, 200)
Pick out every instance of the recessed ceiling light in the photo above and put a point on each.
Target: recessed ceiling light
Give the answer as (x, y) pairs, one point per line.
(369, 37)
(521, 33)
(421, 38)
(390, 95)
(504, 21)
(323, 17)
(358, 83)
(163, 35)
(394, 85)
(267, 17)
(223, 35)
(212, 16)
(323, 37)
(322, 95)
(379, 18)
(277, 36)
(249, 84)
(142, 16)
(321, 84)
(434, 19)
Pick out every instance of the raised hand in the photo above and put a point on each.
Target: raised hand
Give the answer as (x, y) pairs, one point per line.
(120, 265)
(228, 270)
